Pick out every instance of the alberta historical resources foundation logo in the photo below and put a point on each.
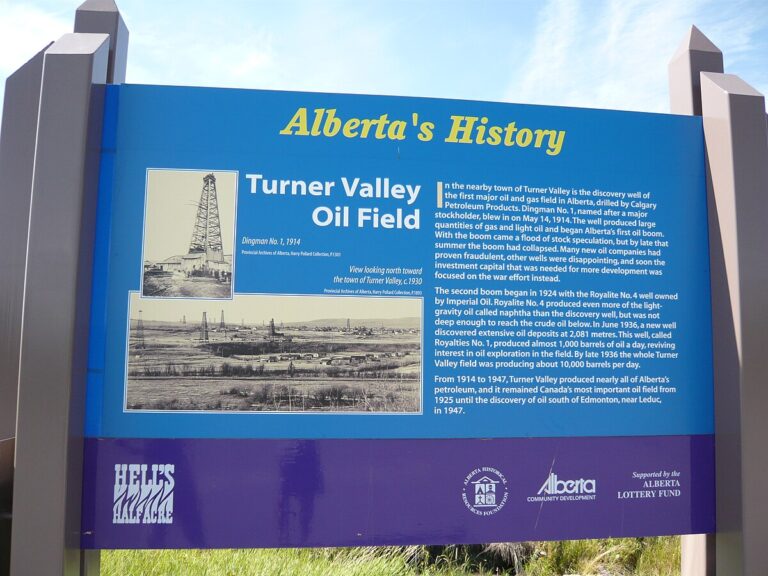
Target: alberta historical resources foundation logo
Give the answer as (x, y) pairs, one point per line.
(485, 491)
(143, 494)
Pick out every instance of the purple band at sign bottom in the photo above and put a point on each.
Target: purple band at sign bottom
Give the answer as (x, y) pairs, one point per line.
(203, 493)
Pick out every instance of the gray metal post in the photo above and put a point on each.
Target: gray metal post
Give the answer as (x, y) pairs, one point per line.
(17, 147)
(696, 54)
(736, 140)
(103, 17)
(47, 486)
(737, 149)
(17, 152)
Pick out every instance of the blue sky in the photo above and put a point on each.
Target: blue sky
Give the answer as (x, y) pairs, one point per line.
(593, 53)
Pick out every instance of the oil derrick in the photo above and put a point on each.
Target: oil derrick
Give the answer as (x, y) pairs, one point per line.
(347, 324)
(184, 319)
(204, 328)
(222, 325)
(272, 332)
(140, 343)
(206, 234)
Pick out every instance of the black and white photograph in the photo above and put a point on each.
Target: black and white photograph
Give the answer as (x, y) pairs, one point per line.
(275, 353)
(189, 221)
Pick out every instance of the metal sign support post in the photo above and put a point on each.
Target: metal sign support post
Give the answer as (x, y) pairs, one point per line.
(49, 166)
(736, 139)
(695, 54)
(48, 477)
(103, 17)
(17, 150)
(737, 148)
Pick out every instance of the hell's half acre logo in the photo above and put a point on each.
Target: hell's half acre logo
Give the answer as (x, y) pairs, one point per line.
(143, 494)
(485, 491)
(556, 490)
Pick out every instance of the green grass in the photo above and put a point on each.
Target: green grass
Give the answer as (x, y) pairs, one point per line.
(660, 557)
(304, 562)
(612, 557)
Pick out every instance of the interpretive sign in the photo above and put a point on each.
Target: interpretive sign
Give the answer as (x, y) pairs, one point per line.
(325, 319)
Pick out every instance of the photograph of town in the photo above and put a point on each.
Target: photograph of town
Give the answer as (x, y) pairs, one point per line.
(275, 353)
(189, 234)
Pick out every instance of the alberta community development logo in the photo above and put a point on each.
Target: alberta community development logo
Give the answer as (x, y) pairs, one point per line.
(556, 490)
(485, 491)
(143, 494)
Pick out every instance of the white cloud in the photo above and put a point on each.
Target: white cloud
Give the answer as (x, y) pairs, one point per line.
(25, 30)
(343, 51)
(549, 66)
(596, 53)
(195, 56)
(615, 54)
(318, 48)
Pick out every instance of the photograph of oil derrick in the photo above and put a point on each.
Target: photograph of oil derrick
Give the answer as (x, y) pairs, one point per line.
(189, 234)
(275, 353)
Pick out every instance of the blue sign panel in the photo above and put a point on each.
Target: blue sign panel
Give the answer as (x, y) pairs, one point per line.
(496, 311)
